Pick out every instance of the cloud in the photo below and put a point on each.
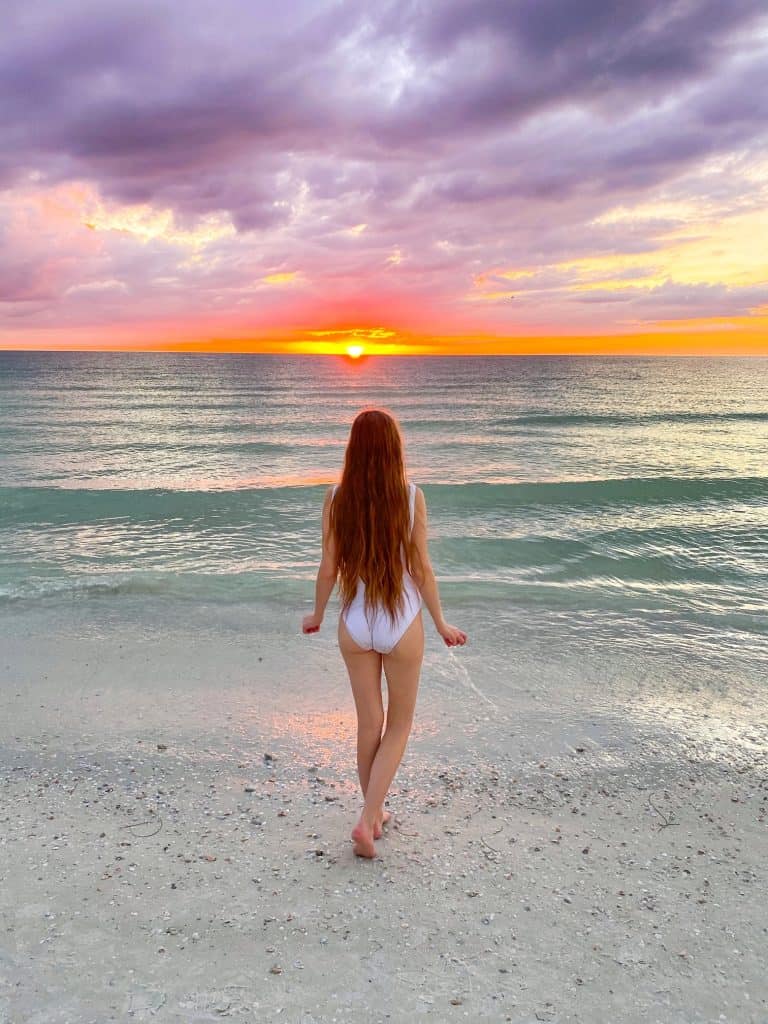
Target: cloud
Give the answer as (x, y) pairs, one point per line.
(674, 301)
(398, 149)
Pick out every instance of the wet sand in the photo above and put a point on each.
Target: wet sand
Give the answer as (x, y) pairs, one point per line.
(176, 805)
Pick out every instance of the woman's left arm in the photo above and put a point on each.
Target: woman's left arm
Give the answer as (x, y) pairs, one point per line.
(326, 574)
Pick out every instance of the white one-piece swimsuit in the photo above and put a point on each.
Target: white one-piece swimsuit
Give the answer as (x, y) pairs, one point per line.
(373, 629)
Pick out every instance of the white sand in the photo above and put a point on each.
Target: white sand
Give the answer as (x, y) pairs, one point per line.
(552, 857)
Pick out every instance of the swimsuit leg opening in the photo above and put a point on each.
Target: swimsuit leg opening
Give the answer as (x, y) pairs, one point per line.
(363, 640)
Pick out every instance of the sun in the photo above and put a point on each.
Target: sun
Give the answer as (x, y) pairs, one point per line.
(354, 351)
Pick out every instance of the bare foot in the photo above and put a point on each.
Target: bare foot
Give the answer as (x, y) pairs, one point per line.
(363, 839)
(382, 820)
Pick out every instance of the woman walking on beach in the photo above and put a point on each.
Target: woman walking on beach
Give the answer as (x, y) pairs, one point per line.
(374, 544)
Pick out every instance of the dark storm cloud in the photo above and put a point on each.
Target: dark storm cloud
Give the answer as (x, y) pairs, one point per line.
(631, 36)
(144, 100)
(154, 107)
(497, 62)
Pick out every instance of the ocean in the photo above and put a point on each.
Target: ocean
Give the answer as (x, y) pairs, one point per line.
(596, 511)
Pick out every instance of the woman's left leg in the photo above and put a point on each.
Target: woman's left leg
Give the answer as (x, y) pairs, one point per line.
(364, 668)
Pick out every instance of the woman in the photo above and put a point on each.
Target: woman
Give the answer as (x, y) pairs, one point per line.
(375, 545)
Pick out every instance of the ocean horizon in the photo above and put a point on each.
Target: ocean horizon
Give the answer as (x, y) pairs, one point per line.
(610, 504)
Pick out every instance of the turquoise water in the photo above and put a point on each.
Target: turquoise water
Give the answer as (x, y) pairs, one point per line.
(617, 504)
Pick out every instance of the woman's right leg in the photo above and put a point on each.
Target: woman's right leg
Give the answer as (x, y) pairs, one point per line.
(402, 667)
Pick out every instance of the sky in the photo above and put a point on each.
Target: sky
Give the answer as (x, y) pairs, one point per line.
(500, 176)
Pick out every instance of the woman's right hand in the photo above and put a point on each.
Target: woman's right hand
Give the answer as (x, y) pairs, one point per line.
(453, 637)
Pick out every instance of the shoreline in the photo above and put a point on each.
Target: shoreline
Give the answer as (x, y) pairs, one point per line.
(553, 855)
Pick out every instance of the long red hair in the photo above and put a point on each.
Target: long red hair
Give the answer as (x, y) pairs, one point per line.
(369, 514)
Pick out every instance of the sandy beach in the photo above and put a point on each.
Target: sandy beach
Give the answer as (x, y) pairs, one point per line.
(176, 806)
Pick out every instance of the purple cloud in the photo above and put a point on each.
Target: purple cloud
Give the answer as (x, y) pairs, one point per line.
(402, 145)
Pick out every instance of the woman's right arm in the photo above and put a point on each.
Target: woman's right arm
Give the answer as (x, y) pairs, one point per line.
(424, 576)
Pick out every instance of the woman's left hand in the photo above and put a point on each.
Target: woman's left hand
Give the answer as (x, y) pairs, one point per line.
(311, 623)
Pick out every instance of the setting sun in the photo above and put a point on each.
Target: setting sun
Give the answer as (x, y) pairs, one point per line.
(354, 351)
